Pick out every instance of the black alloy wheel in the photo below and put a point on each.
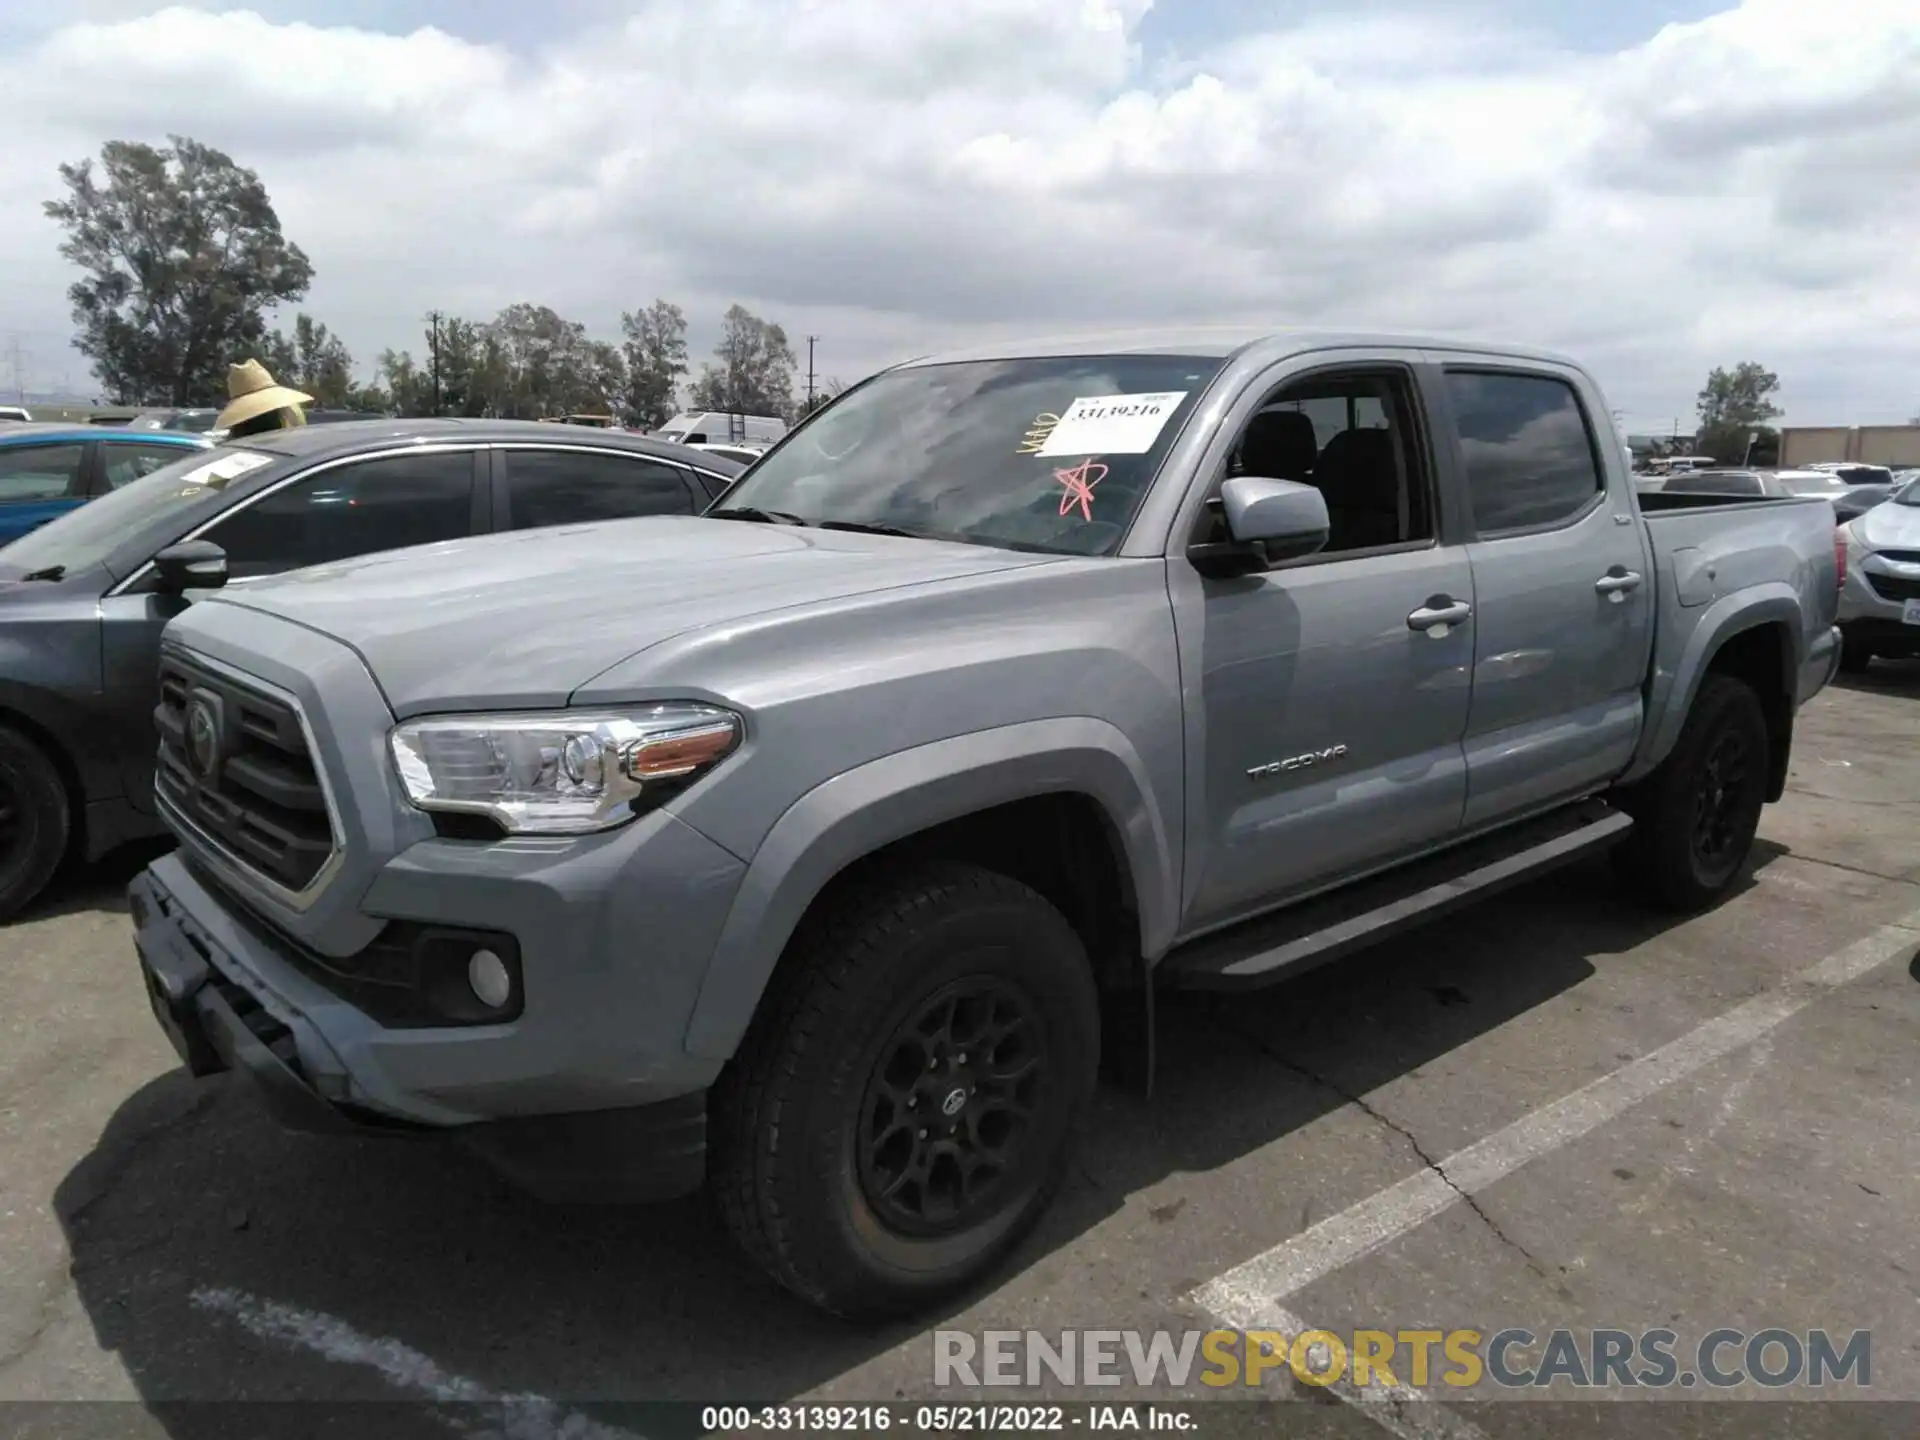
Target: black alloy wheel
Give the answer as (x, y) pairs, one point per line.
(1696, 815)
(953, 1095)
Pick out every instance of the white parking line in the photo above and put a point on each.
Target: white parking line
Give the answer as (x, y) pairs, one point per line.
(1251, 1295)
(1400, 1410)
(526, 1417)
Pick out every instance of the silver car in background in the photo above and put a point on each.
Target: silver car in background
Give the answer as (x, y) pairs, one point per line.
(1880, 599)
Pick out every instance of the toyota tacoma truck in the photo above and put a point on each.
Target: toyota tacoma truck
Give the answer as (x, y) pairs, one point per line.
(823, 848)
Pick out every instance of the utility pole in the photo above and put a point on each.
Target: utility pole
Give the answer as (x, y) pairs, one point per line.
(19, 371)
(434, 347)
(810, 344)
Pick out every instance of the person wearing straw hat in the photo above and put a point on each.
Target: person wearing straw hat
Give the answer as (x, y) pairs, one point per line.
(257, 402)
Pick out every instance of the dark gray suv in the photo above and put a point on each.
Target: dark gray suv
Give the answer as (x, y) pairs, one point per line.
(84, 598)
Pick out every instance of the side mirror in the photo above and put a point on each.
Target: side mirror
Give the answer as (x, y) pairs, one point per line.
(190, 565)
(1269, 521)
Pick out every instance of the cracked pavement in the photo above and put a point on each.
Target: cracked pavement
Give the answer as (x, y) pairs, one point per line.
(1387, 1122)
(1777, 1185)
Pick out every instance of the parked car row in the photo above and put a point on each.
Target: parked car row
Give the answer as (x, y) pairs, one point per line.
(83, 599)
(820, 847)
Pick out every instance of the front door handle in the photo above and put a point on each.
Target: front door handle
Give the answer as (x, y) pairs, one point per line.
(1618, 580)
(1439, 614)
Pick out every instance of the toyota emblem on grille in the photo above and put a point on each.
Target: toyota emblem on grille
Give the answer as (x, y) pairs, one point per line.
(203, 739)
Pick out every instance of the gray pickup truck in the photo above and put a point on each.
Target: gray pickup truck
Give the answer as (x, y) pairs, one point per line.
(822, 848)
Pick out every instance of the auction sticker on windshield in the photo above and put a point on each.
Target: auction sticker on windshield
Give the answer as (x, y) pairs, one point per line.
(1112, 424)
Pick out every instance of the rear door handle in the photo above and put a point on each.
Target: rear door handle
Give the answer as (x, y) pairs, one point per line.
(1618, 581)
(1439, 614)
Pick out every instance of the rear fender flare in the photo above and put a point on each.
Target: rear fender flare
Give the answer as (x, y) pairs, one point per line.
(1672, 692)
(854, 814)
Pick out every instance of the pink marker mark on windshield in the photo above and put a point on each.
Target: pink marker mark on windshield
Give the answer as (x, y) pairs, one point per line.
(1079, 482)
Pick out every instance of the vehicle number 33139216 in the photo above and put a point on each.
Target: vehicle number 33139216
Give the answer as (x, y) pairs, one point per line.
(913, 1419)
(1112, 424)
(1910, 612)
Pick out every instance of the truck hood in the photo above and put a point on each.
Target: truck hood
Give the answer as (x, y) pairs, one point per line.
(526, 618)
(1888, 526)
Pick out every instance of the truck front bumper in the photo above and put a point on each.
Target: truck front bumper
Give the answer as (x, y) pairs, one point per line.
(227, 1003)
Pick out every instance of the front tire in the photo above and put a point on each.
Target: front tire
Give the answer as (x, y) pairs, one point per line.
(1695, 817)
(35, 820)
(900, 1111)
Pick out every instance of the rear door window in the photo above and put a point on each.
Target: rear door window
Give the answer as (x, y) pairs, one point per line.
(1530, 458)
(571, 487)
(124, 462)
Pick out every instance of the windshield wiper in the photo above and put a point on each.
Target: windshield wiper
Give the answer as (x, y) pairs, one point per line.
(763, 517)
(863, 527)
(47, 572)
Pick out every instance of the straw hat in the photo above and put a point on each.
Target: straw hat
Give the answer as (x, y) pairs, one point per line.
(252, 391)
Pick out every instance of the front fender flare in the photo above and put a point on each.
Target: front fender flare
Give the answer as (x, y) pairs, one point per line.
(857, 813)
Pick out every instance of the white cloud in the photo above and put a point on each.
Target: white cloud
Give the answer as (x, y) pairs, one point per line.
(899, 177)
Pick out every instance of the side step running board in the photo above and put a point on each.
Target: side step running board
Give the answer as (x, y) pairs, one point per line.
(1278, 946)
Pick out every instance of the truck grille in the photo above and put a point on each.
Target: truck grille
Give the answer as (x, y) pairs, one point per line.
(234, 763)
(1893, 587)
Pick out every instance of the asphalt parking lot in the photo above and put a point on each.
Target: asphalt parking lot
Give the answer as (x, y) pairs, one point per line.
(1387, 1143)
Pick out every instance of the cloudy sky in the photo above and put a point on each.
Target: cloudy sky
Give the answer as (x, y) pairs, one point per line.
(1657, 186)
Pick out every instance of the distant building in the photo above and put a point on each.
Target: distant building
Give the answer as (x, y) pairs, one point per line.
(1896, 445)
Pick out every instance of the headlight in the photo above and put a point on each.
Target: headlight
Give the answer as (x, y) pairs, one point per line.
(560, 773)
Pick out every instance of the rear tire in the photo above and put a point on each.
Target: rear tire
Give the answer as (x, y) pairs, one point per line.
(1855, 654)
(1694, 818)
(864, 1180)
(35, 820)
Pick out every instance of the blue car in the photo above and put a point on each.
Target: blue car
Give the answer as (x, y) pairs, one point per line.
(47, 470)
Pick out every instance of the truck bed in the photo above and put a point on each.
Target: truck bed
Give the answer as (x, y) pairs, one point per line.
(1722, 563)
(1709, 548)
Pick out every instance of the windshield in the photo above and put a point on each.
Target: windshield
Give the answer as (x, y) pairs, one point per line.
(1826, 484)
(84, 537)
(1050, 454)
(1866, 475)
(1909, 495)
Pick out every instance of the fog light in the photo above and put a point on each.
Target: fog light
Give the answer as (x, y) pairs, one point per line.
(487, 974)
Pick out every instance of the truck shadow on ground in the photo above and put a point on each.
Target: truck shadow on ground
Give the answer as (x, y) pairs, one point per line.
(1884, 677)
(223, 1259)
